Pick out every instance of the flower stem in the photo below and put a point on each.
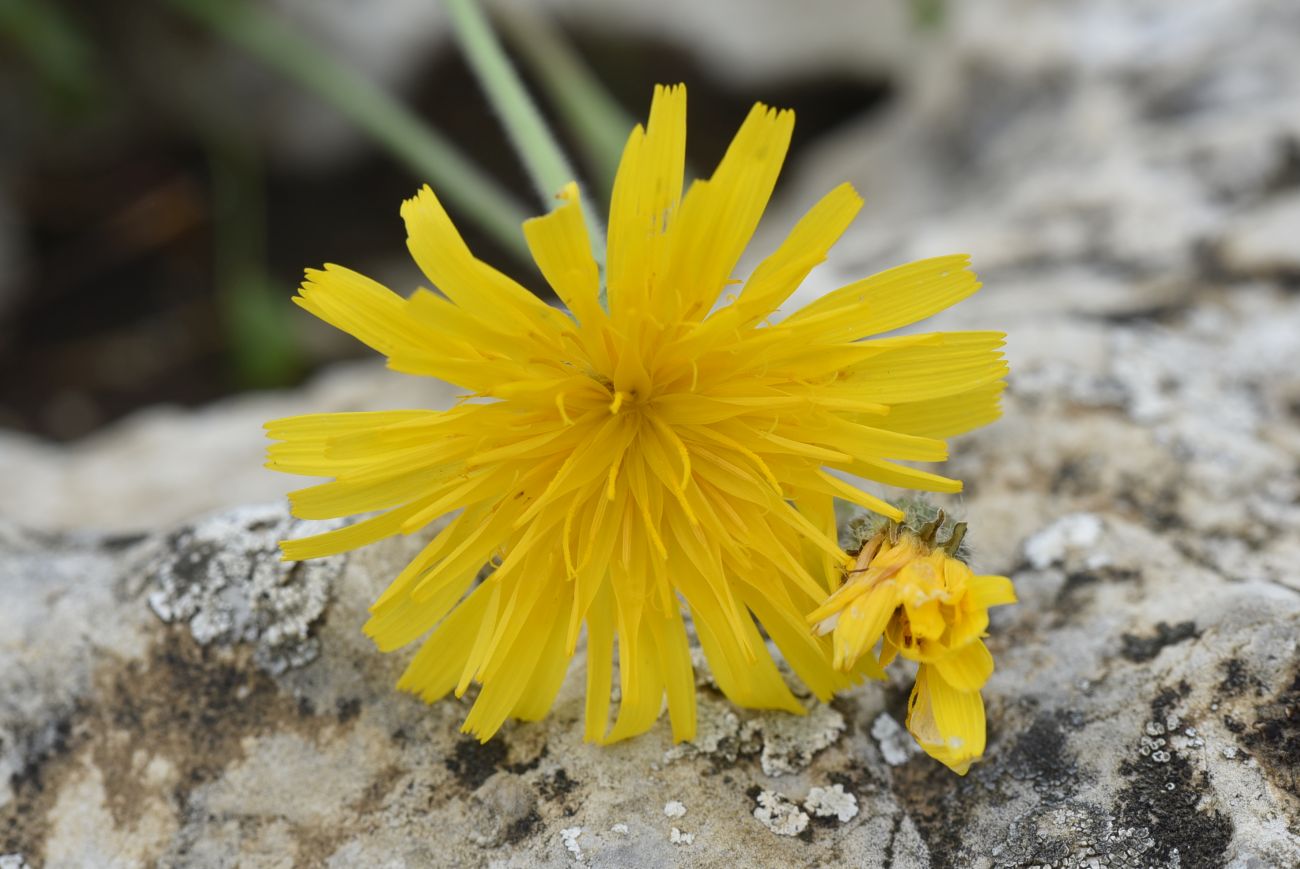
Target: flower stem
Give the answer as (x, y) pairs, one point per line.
(422, 148)
(600, 123)
(537, 147)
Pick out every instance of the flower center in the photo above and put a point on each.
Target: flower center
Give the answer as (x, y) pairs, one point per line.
(625, 401)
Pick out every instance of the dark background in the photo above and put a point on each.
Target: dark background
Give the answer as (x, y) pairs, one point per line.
(152, 231)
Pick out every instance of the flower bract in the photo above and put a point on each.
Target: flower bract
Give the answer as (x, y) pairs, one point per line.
(655, 459)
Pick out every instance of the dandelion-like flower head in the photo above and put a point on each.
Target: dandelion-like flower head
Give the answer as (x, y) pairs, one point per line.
(667, 451)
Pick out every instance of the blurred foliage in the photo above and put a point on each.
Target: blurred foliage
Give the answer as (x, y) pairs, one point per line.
(929, 14)
(56, 47)
(252, 307)
(291, 53)
(259, 335)
(157, 244)
(591, 113)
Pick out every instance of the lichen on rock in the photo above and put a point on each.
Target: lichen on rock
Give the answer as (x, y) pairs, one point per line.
(224, 578)
(776, 812)
(832, 802)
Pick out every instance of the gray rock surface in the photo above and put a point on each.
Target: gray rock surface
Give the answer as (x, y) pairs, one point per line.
(164, 465)
(1123, 179)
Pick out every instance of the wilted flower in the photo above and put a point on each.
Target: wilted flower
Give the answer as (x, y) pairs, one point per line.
(626, 461)
(916, 598)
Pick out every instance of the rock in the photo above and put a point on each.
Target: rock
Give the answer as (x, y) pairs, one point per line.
(1141, 491)
(1264, 242)
(505, 810)
(164, 465)
(221, 577)
(896, 744)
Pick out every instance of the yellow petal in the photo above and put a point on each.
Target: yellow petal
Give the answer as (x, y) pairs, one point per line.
(861, 624)
(804, 248)
(552, 665)
(756, 682)
(869, 441)
(351, 536)
(647, 188)
(513, 689)
(434, 670)
(310, 441)
(894, 474)
(956, 576)
(562, 249)
(347, 498)
(987, 591)
(321, 426)
(718, 216)
(958, 363)
(471, 283)
(808, 655)
(946, 723)
(926, 620)
(600, 665)
(678, 673)
(967, 626)
(967, 668)
(949, 416)
(405, 622)
(854, 495)
(365, 309)
(892, 299)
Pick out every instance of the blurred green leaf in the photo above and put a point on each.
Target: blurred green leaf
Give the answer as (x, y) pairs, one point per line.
(929, 14)
(261, 32)
(56, 47)
(255, 311)
(261, 337)
(599, 123)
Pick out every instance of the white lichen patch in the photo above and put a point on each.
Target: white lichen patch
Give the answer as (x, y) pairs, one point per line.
(785, 743)
(1077, 531)
(621, 829)
(896, 744)
(677, 837)
(223, 576)
(789, 741)
(832, 802)
(569, 836)
(717, 732)
(779, 815)
(674, 809)
(13, 861)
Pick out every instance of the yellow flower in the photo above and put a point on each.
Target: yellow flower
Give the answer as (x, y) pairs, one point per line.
(622, 464)
(919, 600)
